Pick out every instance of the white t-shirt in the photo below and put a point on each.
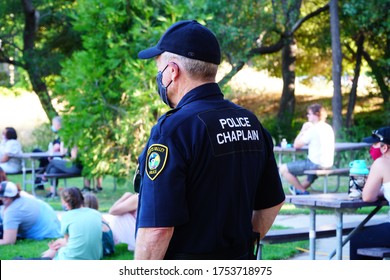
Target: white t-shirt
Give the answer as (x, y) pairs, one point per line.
(123, 229)
(320, 140)
(386, 190)
(11, 146)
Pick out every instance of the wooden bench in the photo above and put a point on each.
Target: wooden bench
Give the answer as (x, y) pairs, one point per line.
(57, 176)
(276, 236)
(26, 171)
(329, 172)
(376, 252)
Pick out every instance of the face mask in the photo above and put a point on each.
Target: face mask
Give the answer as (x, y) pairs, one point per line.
(162, 90)
(375, 152)
(64, 207)
(54, 129)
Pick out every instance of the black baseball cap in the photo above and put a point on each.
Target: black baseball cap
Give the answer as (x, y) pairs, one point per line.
(380, 135)
(187, 38)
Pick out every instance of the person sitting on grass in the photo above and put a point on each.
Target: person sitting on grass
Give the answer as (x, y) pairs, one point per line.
(82, 230)
(25, 216)
(91, 201)
(124, 212)
(319, 137)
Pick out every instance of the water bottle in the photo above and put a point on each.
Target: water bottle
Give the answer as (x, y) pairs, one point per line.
(284, 143)
(358, 173)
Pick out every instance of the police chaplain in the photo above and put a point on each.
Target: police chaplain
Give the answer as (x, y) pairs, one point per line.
(208, 173)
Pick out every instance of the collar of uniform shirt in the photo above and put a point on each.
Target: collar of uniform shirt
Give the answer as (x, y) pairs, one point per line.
(201, 92)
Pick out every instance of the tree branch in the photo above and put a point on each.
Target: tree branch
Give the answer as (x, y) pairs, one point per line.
(232, 72)
(307, 17)
(268, 49)
(4, 59)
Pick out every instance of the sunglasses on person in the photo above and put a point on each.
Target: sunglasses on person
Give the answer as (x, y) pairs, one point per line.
(376, 134)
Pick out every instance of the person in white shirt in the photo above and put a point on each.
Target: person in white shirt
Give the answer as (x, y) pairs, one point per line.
(10, 145)
(320, 139)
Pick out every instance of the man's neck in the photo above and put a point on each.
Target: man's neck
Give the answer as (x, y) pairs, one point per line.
(187, 87)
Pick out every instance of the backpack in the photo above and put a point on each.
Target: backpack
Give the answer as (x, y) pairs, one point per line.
(108, 241)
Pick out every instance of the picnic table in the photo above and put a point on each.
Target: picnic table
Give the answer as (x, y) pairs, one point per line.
(339, 203)
(350, 147)
(29, 166)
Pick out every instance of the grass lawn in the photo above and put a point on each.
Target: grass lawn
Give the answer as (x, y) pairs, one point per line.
(31, 248)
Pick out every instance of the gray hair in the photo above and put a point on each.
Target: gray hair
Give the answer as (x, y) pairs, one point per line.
(197, 69)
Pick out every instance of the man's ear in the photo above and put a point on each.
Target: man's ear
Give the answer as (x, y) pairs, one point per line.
(175, 71)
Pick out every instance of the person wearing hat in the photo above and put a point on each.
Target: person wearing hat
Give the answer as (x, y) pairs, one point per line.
(25, 216)
(374, 139)
(208, 171)
(376, 187)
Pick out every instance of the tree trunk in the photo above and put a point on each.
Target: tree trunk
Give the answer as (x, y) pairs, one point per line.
(376, 70)
(287, 101)
(353, 93)
(336, 66)
(31, 58)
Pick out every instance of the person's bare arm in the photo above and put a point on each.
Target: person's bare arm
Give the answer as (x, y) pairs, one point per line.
(4, 158)
(152, 243)
(262, 220)
(127, 203)
(372, 187)
(9, 236)
(298, 142)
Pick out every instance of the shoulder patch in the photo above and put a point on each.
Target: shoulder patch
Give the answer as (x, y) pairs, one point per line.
(156, 158)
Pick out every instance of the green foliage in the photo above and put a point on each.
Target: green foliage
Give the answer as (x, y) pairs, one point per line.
(371, 19)
(108, 93)
(55, 39)
(241, 26)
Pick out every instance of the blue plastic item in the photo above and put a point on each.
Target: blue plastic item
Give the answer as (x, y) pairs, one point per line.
(358, 167)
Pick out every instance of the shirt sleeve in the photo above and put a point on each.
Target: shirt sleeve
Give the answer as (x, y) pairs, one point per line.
(163, 188)
(308, 135)
(11, 147)
(11, 219)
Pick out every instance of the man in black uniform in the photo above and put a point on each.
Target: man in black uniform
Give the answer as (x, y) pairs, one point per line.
(208, 172)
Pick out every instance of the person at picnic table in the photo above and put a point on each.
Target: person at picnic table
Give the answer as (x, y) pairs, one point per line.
(3, 175)
(375, 149)
(98, 182)
(25, 217)
(55, 146)
(82, 230)
(72, 165)
(10, 145)
(209, 178)
(124, 215)
(376, 187)
(320, 139)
